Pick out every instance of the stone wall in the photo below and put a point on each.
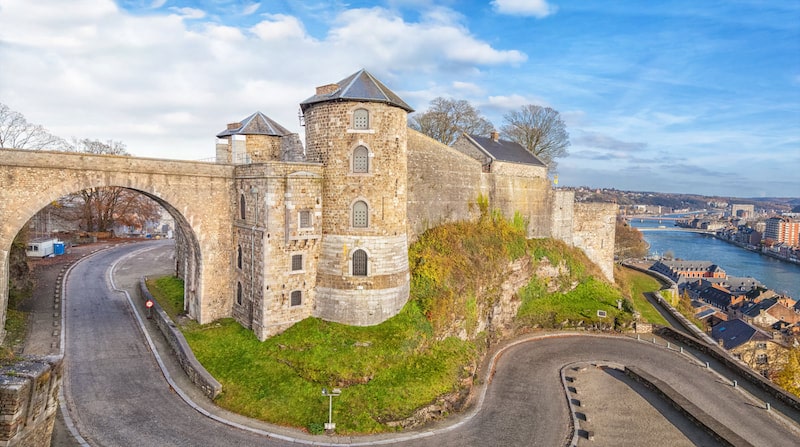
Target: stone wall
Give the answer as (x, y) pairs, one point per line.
(593, 231)
(443, 184)
(196, 194)
(269, 236)
(29, 397)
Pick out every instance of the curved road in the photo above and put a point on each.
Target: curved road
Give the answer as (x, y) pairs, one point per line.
(117, 395)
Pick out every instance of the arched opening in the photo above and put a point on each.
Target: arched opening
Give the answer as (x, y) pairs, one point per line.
(360, 214)
(188, 257)
(361, 160)
(359, 263)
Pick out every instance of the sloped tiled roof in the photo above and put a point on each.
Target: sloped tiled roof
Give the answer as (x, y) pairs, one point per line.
(256, 124)
(503, 150)
(734, 333)
(360, 86)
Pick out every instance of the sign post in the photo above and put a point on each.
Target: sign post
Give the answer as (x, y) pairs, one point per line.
(149, 305)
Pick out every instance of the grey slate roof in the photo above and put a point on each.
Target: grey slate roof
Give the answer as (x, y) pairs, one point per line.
(256, 124)
(359, 86)
(503, 150)
(734, 333)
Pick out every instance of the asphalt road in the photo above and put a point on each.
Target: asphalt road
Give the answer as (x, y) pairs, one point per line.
(117, 395)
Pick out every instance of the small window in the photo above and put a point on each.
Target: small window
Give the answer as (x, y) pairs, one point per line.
(761, 346)
(360, 215)
(242, 207)
(361, 160)
(297, 263)
(296, 298)
(305, 218)
(239, 256)
(761, 359)
(239, 293)
(359, 263)
(361, 119)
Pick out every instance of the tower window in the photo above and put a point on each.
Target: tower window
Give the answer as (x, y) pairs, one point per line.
(305, 218)
(239, 256)
(239, 293)
(359, 263)
(360, 214)
(296, 298)
(242, 207)
(361, 160)
(361, 119)
(297, 263)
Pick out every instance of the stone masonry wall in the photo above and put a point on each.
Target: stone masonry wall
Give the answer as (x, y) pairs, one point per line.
(443, 184)
(196, 194)
(29, 397)
(593, 231)
(284, 190)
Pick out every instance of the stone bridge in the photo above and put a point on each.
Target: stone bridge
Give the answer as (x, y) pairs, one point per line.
(198, 196)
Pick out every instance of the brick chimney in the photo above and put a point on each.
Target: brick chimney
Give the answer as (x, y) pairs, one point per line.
(495, 135)
(327, 89)
(234, 126)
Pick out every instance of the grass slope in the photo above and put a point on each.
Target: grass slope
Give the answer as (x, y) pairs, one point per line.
(388, 371)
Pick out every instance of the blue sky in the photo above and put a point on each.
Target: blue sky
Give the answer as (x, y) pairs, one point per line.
(672, 96)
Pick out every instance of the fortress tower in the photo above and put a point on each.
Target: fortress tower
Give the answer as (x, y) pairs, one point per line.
(357, 129)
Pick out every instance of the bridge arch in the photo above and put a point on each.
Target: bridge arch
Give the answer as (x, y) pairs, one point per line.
(198, 195)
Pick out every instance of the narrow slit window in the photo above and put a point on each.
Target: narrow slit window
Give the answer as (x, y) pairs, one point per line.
(242, 207)
(239, 293)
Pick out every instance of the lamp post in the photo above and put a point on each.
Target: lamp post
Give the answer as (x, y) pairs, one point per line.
(330, 426)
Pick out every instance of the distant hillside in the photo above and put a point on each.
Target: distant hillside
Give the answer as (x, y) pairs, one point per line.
(681, 201)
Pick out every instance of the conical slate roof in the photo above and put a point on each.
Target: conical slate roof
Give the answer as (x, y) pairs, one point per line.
(256, 124)
(360, 86)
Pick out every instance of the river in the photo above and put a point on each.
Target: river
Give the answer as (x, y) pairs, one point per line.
(783, 277)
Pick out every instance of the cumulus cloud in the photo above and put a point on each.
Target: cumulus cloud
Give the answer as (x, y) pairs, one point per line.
(251, 9)
(166, 82)
(533, 8)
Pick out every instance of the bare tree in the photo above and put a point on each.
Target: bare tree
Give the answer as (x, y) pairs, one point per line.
(540, 130)
(446, 118)
(99, 209)
(17, 133)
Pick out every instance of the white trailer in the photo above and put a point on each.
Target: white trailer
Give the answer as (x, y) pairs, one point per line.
(41, 248)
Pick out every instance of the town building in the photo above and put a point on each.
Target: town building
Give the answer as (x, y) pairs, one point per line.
(324, 230)
(682, 271)
(751, 345)
(782, 230)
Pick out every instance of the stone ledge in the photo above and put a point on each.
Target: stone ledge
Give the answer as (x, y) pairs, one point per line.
(197, 374)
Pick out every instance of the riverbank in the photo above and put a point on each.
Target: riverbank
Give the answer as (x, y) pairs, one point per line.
(756, 250)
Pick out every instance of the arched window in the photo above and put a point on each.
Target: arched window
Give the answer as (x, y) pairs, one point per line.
(239, 293)
(361, 119)
(239, 256)
(361, 160)
(242, 207)
(360, 215)
(359, 263)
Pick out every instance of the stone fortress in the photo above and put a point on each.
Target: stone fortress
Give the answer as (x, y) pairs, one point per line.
(325, 231)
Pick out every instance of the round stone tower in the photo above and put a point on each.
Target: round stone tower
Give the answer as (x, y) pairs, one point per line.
(357, 128)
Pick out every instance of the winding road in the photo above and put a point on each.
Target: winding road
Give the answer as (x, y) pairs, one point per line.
(117, 394)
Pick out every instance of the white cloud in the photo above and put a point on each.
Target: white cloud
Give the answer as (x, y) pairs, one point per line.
(468, 87)
(535, 8)
(189, 13)
(279, 27)
(251, 9)
(507, 103)
(157, 4)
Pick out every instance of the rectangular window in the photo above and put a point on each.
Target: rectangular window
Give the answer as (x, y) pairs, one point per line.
(761, 359)
(297, 262)
(296, 298)
(305, 219)
(761, 346)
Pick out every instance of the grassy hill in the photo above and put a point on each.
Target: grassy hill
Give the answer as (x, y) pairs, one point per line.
(421, 363)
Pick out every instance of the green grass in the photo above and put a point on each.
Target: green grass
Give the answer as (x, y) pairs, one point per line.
(550, 310)
(385, 372)
(168, 292)
(634, 285)
(16, 325)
